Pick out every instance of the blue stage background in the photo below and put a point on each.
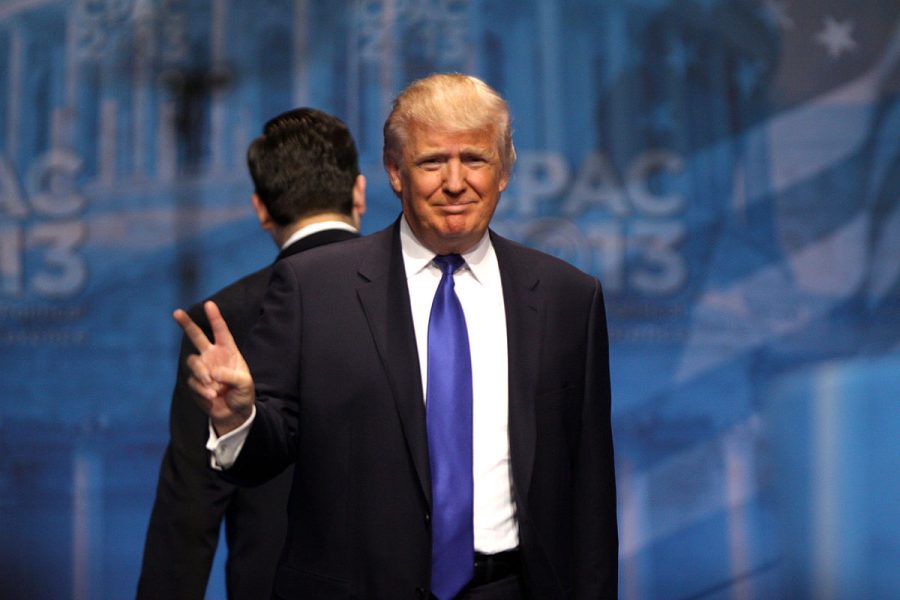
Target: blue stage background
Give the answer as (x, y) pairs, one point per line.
(730, 170)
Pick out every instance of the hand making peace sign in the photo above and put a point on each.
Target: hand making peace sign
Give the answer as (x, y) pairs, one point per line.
(219, 377)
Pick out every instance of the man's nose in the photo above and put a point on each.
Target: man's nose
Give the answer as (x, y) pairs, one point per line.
(454, 178)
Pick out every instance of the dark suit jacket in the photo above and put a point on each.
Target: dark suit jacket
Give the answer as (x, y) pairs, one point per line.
(339, 395)
(192, 499)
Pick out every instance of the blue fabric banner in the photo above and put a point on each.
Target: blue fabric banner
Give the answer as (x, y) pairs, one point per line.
(729, 170)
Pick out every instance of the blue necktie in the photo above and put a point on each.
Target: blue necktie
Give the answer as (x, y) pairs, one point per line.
(448, 410)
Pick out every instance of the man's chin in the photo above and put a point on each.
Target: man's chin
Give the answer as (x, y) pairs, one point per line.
(456, 225)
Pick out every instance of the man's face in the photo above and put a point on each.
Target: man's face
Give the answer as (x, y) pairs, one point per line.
(449, 185)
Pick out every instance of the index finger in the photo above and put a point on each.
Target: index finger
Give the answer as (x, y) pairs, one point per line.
(191, 330)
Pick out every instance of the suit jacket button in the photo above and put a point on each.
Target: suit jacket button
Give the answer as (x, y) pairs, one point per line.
(427, 518)
(421, 593)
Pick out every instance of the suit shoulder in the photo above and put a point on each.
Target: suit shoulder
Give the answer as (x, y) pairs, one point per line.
(238, 299)
(540, 263)
(248, 284)
(331, 256)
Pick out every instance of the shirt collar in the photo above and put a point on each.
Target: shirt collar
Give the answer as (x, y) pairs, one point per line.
(417, 257)
(316, 228)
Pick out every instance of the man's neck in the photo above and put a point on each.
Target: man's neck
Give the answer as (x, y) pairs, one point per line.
(283, 234)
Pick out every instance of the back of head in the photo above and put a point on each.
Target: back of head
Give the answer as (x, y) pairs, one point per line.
(305, 163)
(453, 103)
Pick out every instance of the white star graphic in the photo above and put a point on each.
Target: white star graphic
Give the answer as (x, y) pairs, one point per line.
(837, 37)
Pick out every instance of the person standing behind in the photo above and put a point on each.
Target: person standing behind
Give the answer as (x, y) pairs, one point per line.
(307, 192)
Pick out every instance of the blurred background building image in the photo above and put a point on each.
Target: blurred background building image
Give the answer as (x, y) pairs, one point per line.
(729, 169)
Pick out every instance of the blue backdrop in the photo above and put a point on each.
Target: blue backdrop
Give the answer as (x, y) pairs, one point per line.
(730, 169)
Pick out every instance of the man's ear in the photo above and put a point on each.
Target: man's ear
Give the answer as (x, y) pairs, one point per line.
(262, 213)
(394, 179)
(359, 199)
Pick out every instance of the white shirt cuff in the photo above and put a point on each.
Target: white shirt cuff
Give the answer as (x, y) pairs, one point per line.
(224, 451)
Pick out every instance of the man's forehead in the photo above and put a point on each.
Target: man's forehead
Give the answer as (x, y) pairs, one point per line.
(423, 138)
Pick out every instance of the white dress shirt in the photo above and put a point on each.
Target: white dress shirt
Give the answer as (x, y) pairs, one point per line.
(480, 292)
(479, 289)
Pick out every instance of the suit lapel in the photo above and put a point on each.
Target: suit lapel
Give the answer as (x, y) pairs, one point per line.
(524, 328)
(384, 296)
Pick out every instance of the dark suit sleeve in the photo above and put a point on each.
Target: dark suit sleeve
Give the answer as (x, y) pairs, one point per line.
(273, 356)
(596, 536)
(190, 500)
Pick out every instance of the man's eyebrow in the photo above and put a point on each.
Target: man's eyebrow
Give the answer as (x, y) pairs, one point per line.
(429, 155)
(469, 152)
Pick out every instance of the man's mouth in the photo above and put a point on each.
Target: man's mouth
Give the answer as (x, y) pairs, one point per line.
(456, 208)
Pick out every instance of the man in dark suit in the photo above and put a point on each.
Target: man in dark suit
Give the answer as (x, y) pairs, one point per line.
(307, 192)
(450, 432)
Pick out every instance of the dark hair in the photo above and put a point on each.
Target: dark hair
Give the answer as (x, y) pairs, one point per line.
(304, 163)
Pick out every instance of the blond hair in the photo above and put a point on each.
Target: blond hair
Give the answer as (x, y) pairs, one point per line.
(450, 102)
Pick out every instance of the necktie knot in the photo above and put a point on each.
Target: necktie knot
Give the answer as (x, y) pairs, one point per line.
(449, 263)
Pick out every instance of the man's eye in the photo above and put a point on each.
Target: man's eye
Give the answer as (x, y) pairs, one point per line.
(431, 164)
